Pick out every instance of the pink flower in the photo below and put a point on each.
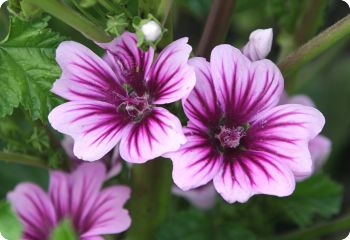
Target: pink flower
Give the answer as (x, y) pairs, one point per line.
(237, 136)
(78, 197)
(203, 197)
(115, 100)
(113, 162)
(259, 44)
(320, 147)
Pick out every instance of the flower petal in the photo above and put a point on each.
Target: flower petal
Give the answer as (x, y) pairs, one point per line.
(86, 182)
(34, 209)
(84, 74)
(201, 106)
(244, 88)
(171, 78)
(285, 131)
(320, 148)
(196, 162)
(298, 99)
(232, 183)
(95, 126)
(59, 193)
(158, 133)
(203, 197)
(252, 173)
(107, 215)
(129, 62)
(116, 164)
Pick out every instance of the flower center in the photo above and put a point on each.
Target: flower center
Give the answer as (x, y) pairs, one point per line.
(230, 137)
(135, 106)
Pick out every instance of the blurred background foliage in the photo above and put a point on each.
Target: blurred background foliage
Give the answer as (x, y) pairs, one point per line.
(325, 80)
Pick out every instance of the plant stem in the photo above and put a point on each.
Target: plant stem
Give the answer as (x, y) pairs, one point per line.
(315, 46)
(22, 159)
(216, 27)
(337, 225)
(151, 183)
(72, 18)
(310, 20)
(106, 4)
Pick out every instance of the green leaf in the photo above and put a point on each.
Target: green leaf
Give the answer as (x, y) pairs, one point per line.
(186, 225)
(10, 226)
(64, 231)
(232, 231)
(317, 196)
(20, 135)
(28, 68)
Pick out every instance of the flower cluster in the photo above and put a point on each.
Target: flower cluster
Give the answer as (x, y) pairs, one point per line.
(243, 137)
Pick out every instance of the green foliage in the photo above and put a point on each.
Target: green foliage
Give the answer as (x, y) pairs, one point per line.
(23, 9)
(234, 232)
(317, 196)
(186, 225)
(196, 224)
(21, 136)
(10, 226)
(28, 68)
(64, 231)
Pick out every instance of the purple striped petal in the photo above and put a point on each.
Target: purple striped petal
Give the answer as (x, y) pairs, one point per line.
(196, 162)
(95, 126)
(201, 106)
(171, 78)
(86, 182)
(250, 173)
(244, 88)
(34, 209)
(285, 131)
(129, 62)
(203, 197)
(320, 146)
(107, 215)
(232, 183)
(158, 133)
(84, 74)
(59, 193)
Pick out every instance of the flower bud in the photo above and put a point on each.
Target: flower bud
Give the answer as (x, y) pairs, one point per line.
(259, 45)
(116, 25)
(151, 31)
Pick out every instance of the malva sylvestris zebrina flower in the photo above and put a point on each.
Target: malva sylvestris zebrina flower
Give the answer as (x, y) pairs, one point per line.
(76, 196)
(237, 136)
(113, 100)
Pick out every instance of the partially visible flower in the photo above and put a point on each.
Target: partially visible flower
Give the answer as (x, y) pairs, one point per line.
(151, 31)
(114, 100)
(76, 196)
(259, 44)
(203, 197)
(237, 136)
(113, 163)
(320, 147)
